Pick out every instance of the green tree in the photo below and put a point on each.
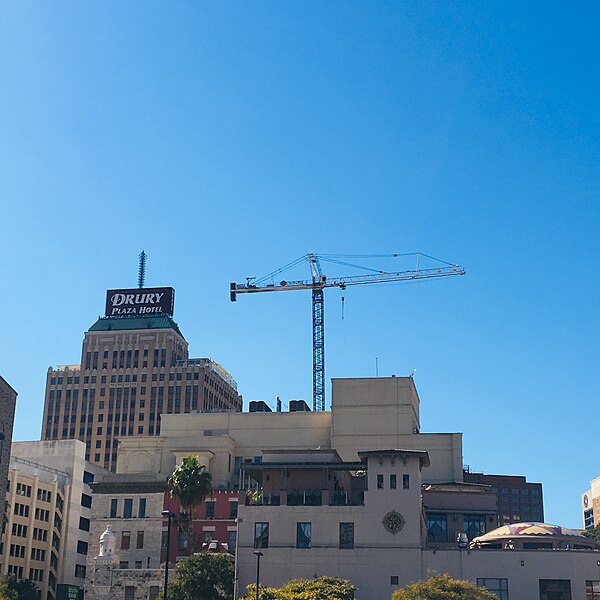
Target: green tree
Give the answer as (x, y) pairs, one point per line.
(203, 577)
(25, 588)
(12, 588)
(6, 593)
(594, 533)
(318, 588)
(190, 483)
(443, 587)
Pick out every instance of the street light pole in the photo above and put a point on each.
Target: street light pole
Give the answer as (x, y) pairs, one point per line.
(168, 514)
(258, 555)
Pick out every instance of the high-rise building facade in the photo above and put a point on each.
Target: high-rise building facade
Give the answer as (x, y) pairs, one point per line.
(518, 499)
(590, 505)
(134, 367)
(8, 400)
(46, 533)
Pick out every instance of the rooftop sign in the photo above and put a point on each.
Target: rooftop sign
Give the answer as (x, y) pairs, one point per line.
(140, 301)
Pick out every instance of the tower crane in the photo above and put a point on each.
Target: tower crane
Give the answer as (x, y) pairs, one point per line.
(319, 282)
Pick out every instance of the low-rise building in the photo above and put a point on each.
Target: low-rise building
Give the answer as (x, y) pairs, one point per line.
(366, 522)
(356, 492)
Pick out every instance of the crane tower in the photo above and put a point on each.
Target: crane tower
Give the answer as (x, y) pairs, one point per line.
(319, 282)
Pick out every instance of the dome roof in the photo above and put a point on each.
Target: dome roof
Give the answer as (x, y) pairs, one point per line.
(532, 531)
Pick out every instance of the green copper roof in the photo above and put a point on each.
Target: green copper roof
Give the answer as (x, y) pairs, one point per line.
(146, 322)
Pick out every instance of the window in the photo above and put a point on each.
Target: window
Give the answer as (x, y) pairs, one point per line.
(22, 510)
(261, 535)
(129, 592)
(86, 501)
(84, 524)
(139, 543)
(183, 540)
(128, 508)
(393, 579)
(437, 528)
(125, 540)
(80, 571)
(154, 591)
(592, 590)
(82, 547)
(393, 481)
(138, 564)
(499, 587)
(231, 541)
(124, 564)
(208, 536)
(113, 507)
(38, 554)
(142, 508)
(555, 589)
(588, 517)
(88, 477)
(474, 525)
(346, 536)
(19, 530)
(303, 535)
(380, 482)
(210, 510)
(233, 510)
(405, 482)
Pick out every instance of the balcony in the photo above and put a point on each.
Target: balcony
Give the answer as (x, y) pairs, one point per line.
(304, 497)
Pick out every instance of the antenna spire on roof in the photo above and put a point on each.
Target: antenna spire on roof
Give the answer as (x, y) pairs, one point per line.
(142, 270)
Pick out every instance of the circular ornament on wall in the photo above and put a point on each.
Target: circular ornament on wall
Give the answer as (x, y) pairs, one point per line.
(393, 522)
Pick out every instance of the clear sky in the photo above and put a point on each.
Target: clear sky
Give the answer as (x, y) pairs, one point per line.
(227, 139)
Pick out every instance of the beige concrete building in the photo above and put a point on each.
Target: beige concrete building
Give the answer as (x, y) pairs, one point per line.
(366, 522)
(367, 414)
(133, 370)
(46, 537)
(352, 492)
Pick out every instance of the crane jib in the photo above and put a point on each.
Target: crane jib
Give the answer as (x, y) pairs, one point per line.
(317, 284)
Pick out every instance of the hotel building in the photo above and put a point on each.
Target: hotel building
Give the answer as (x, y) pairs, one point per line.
(135, 367)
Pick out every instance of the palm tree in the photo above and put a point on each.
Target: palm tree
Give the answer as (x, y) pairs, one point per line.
(191, 483)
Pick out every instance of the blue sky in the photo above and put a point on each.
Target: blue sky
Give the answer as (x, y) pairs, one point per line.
(227, 139)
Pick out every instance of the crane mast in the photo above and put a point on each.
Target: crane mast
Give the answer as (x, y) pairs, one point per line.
(317, 285)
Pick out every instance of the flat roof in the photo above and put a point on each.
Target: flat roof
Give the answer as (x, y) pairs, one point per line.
(423, 455)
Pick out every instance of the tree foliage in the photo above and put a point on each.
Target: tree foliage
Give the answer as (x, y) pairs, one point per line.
(319, 588)
(12, 588)
(594, 533)
(443, 587)
(6, 593)
(190, 483)
(203, 577)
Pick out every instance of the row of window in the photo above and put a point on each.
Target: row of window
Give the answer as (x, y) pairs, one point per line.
(549, 589)
(19, 530)
(126, 540)
(437, 526)
(393, 482)
(515, 491)
(127, 512)
(304, 535)
(23, 490)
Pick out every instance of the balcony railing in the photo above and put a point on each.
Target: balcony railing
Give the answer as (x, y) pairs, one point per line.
(309, 497)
